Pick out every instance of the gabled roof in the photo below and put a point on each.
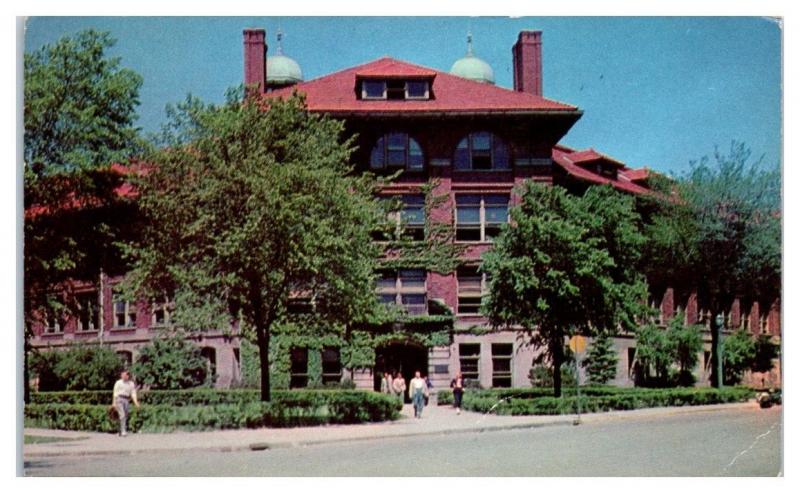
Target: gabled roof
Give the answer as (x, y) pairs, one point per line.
(590, 155)
(639, 174)
(335, 93)
(565, 158)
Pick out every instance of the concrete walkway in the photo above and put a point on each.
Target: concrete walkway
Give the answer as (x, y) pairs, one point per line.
(436, 420)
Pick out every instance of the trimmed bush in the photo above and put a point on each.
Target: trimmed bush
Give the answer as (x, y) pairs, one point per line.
(207, 409)
(76, 368)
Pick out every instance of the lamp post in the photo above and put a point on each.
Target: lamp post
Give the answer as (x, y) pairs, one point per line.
(718, 356)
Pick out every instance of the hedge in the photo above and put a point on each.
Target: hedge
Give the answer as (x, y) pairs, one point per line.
(521, 403)
(242, 410)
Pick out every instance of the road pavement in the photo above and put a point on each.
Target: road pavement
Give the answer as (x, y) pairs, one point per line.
(726, 441)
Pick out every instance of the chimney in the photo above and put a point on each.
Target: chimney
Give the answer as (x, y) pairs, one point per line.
(528, 62)
(255, 60)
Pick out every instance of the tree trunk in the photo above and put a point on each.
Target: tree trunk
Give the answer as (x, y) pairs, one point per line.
(26, 378)
(263, 358)
(557, 351)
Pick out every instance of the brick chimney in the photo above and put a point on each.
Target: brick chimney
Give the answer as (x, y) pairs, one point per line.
(255, 60)
(528, 62)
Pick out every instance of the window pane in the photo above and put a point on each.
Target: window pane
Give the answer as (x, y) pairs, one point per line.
(373, 88)
(501, 365)
(468, 199)
(468, 215)
(376, 158)
(468, 234)
(500, 155)
(415, 158)
(462, 155)
(397, 141)
(388, 299)
(387, 280)
(481, 141)
(497, 214)
(416, 89)
(414, 215)
(413, 299)
(396, 157)
(412, 278)
(502, 349)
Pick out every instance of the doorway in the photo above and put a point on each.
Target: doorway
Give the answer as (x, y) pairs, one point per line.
(403, 357)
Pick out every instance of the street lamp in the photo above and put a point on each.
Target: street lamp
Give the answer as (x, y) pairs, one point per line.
(720, 319)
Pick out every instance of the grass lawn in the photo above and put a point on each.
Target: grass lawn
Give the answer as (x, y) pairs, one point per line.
(31, 439)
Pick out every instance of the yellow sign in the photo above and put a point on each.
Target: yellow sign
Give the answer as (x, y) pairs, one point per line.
(577, 344)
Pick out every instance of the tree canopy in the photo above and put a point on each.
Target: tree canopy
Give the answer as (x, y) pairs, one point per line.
(253, 206)
(566, 265)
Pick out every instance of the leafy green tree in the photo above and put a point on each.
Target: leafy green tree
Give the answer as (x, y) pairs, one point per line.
(565, 265)
(42, 367)
(686, 341)
(79, 112)
(654, 356)
(171, 363)
(250, 204)
(601, 360)
(718, 231)
(738, 355)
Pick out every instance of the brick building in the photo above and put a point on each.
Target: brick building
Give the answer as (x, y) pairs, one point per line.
(476, 141)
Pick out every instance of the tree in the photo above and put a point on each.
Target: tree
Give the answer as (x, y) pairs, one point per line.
(686, 341)
(720, 235)
(79, 112)
(171, 363)
(249, 205)
(766, 352)
(565, 265)
(738, 354)
(654, 356)
(76, 368)
(601, 360)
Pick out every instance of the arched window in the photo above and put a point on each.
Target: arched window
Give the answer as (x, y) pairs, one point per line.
(481, 151)
(397, 150)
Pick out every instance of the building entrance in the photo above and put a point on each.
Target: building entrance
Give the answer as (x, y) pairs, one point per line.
(402, 357)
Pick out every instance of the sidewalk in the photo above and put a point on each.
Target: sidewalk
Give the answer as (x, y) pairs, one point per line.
(436, 420)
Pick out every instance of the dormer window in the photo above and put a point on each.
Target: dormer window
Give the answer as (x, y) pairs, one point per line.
(397, 150)
(373, 89)
(395, 89)
(481, 151)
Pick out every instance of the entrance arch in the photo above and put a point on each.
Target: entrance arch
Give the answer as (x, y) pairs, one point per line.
(405, 357)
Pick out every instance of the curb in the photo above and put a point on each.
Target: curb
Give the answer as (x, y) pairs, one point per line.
(563, 420)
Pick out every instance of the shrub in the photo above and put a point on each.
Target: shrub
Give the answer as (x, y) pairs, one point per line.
(76, 368)
(542, 375)
(601, 360)
(202, 410)
(738, 354)
(765, 354)
(171, 362)
(685, 341)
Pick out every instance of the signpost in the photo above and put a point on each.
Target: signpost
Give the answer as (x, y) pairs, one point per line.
(577, 344)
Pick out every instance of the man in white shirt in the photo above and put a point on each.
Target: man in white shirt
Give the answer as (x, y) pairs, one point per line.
(124, 392)
(417, 389)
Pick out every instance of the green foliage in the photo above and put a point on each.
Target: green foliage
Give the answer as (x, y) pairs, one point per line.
(738, 355)
(601, 360)
(207, 409)
(259, 206)
(685, 341)
(766, 352)
(542, 375)
(567, 264)
(597, 399)
(171, 362)
(77, 368)
(654, 356)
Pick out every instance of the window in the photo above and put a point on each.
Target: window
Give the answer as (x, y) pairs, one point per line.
(405, 287)
(471, 286)
(412, 217)
(373, 89)
(124, 313)
(764, 324)
(88, 311)
(162, 312)
(417, 89)
(54, 322)
(397, 150)
(480, 217)
(298, 373)
(469, 356)
(501, 364)
(331, 365)
(126, 357)
(481, 151)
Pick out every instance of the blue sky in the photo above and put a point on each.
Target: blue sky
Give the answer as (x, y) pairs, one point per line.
(656, 91)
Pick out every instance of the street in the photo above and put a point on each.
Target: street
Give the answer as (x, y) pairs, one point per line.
(741, 442)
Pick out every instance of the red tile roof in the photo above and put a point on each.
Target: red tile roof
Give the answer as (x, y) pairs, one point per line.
(335, 93)
(564, 157)
(590, 155)
(639, 174)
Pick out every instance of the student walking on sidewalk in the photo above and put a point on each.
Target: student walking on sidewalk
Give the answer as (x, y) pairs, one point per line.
(399, 386)
(124, 392)
(457, 384)
(417, 390)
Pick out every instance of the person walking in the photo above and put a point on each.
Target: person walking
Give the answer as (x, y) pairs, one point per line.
(386, 383)
(417, 389)
(428, 389)
(124, 392)
(399, 386)
(457, 384)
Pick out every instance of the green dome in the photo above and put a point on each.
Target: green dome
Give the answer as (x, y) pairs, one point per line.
(283, 70)
(472, 67)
